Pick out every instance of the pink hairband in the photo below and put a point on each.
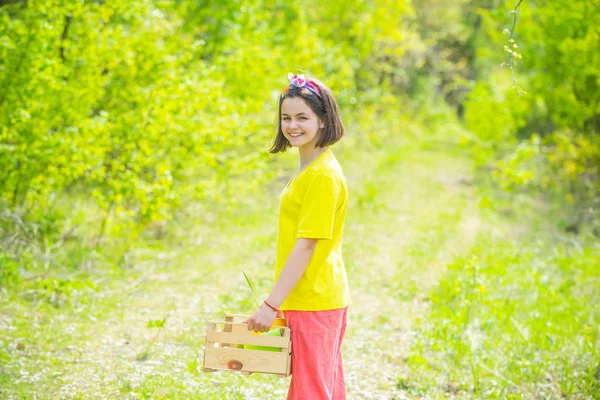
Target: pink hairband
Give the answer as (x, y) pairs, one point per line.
(298, 81)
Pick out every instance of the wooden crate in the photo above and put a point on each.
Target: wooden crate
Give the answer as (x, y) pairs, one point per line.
(221, 353)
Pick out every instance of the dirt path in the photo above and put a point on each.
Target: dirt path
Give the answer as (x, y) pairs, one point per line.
(427, 215)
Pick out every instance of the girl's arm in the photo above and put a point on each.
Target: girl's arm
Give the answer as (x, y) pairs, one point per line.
(293, 269)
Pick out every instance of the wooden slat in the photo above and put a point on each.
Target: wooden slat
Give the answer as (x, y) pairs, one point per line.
(288, 369)
(224, 323)
(239, 328)
(251, 360)
(247, 338)
(244, 328)
(227, 328)
(208, 344)
(236, 326)
(239, 316)
(286, 335)
(238, 323)
(244, 317)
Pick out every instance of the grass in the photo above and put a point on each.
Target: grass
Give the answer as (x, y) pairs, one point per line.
(451, 297)
(513, 319)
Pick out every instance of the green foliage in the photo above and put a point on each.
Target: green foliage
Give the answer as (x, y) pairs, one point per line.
(146, 353)
(546, 140)
(156, 323)
(491, 122)
(9, 271)
(511, 319)
(115, 114)
(58, 293)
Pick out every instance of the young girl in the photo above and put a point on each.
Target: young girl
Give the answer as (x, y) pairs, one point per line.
(311, 285)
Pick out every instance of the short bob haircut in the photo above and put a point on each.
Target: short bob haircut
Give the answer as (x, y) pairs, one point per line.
(325, 107)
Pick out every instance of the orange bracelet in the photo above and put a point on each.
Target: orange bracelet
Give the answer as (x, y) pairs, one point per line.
(271, 307)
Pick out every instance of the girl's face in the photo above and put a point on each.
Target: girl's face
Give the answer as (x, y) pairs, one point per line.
(299, 124)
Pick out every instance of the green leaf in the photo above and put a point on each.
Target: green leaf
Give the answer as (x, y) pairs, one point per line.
(156, 323)
(251, 288)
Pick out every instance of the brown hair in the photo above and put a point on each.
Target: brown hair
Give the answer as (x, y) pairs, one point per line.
(324, 106)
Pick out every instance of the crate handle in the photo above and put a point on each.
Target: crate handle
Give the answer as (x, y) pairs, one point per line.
(235, 323)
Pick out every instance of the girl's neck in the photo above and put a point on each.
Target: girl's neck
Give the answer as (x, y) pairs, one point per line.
(309, 155)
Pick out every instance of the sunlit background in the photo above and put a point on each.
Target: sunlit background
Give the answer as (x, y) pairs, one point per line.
(136, 186)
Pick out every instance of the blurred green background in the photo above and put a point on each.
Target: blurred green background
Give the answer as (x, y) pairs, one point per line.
(135, 185)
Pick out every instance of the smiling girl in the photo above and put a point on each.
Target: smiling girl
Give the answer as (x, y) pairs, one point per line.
(311, 286)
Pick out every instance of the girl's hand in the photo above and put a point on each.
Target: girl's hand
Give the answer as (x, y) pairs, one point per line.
(261, 320)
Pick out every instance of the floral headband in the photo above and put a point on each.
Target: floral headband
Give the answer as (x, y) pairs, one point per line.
(298, 81)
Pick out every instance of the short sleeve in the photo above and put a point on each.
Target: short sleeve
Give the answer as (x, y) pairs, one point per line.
(317, 212)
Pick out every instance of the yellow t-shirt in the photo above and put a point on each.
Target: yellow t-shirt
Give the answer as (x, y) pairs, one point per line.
(314, 205)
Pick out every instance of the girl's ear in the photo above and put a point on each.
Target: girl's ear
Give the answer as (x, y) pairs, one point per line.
(321, 124)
